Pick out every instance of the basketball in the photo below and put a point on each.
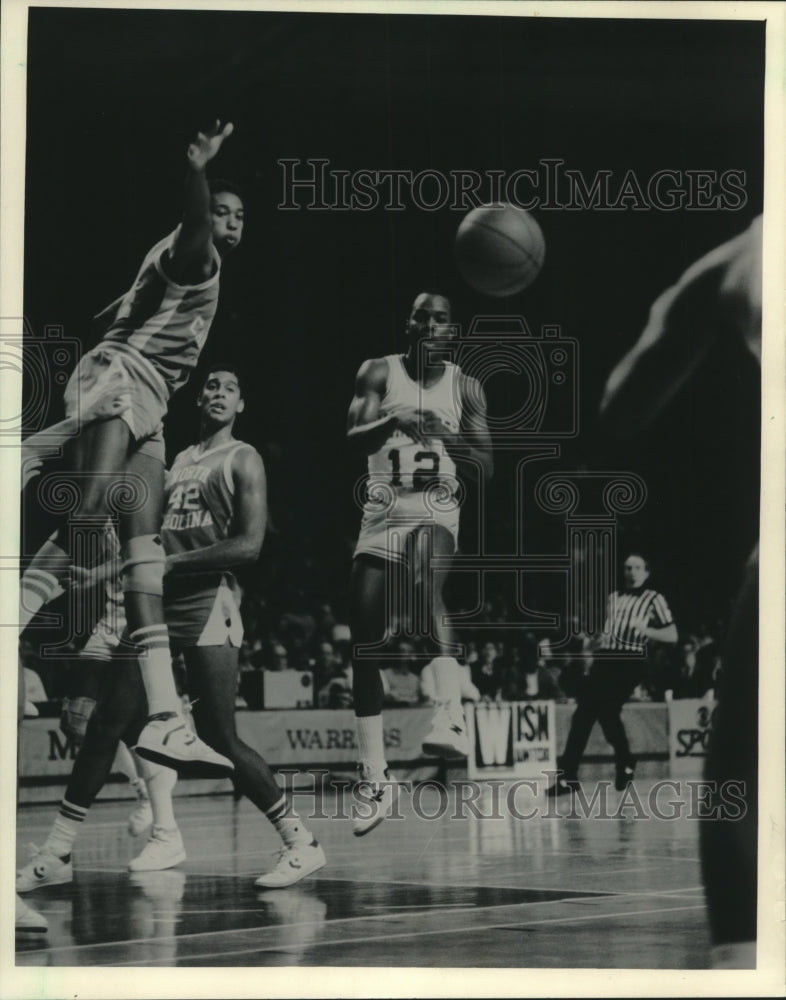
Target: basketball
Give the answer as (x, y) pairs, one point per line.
(499, 249)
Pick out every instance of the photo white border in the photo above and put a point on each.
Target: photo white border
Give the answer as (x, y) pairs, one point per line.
(769, 978)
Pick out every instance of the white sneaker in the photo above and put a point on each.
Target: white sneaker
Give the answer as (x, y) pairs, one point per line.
(448, 735)
(167, 739)
(44, 868)
(374, 801)
(164, 849)
(294, 864)
(29, 920)
(141, 817)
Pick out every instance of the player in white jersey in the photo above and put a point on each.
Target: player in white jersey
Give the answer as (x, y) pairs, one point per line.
(215, 520)
(151, 341)
(422, 424)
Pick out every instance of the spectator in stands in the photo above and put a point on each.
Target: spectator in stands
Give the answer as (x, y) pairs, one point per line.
(341, 635)
(296, 627)
(400, 683)
(337, 693)
(343, 646)
(252, 654)
(640, 693)
(472, 652)
(512, 663)
(662, 666)
(324, 663)
(277, 657)
(695, 671)
(325, 620)
(487, 673)
(524, 676)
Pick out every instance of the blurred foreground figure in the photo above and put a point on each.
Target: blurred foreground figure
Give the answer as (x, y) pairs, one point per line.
(719, 296)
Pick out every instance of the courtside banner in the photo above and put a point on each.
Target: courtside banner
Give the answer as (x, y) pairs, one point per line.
(45, 751)
(511, 739)
(298, 737)
(690, 728)
(321, 737)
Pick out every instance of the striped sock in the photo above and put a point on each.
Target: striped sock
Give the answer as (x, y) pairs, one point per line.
(155, 663)
(287, 823)
(64, 829)
(39, 583)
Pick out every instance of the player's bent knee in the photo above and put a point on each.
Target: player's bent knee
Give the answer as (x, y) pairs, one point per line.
(143, 565)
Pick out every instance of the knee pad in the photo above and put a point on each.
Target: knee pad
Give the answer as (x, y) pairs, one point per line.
(74, 717)
(142, 571)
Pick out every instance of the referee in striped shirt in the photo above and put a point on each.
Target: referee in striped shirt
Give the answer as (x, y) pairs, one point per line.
(636, 615)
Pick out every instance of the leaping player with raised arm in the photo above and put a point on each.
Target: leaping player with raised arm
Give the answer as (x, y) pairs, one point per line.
(152, 339)
(421, 422)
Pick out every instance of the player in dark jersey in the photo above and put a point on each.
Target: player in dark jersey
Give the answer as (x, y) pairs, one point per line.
(151, 341)
(420, 422)
(636, 615)
(215, 520)
(718, 297)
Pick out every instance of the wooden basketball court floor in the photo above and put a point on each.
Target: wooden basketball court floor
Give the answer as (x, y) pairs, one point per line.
(454, 891)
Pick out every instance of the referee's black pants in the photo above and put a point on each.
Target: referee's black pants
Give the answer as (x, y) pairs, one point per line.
(609, 685)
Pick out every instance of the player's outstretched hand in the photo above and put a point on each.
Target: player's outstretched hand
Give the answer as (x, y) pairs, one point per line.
(202, 150)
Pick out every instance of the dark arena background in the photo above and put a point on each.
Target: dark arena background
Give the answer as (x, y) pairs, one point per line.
(114, 97)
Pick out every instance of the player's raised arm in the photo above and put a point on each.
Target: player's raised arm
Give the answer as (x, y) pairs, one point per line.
(719, 294)
(247, 530)
(191, 258)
